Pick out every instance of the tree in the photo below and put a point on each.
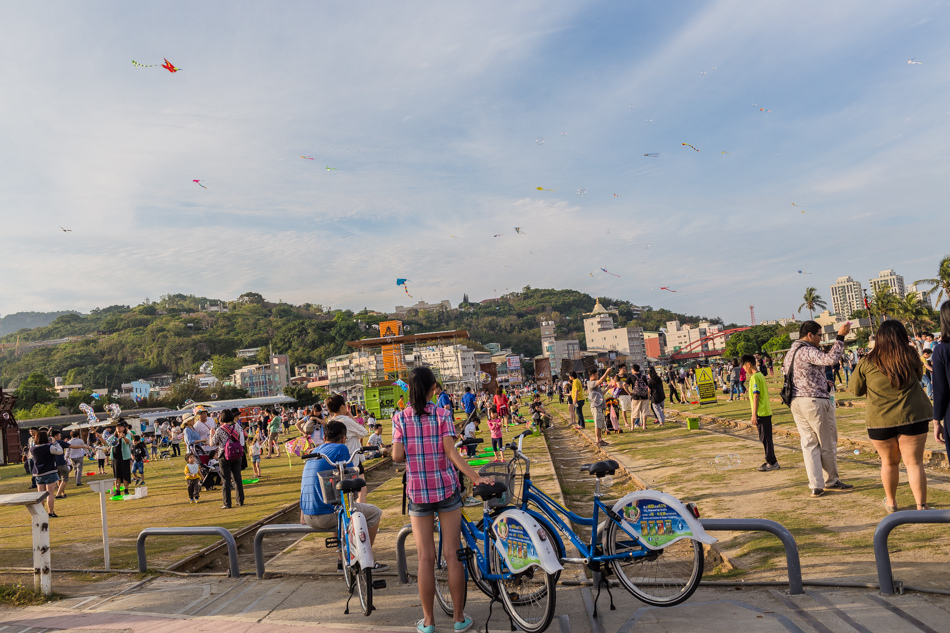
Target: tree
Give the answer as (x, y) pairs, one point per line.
(912, 311)
(38, 411)
(35, 389)
(812, 300)
(884, 302)
(940, 283)
(777, 343)
(224, 366)
(304, 395)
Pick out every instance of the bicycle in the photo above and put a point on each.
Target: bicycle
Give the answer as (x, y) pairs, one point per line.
(508, 555)
(650, 540)
(352, 531)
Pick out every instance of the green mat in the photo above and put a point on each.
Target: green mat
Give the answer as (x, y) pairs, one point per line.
(250, 481)
(478, 462)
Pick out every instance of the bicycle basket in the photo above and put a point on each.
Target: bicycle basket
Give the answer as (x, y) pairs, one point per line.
(328, 481)
(499, 472)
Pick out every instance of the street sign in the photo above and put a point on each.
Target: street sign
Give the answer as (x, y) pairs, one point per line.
(706, 385)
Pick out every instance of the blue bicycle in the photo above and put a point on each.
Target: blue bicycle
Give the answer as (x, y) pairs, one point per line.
(509, 556)
(650, 540)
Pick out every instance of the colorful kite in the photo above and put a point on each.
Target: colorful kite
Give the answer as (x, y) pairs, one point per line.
(913, 60)
(402, 282)
(592, 275)
(497, 234)
(799, 206)
(667, 289)
(610, 273)
(331, 168)
(690, 146)
(199, 184)
(764, 110)
(618, 195)
(307, 158)
(518, 230)
(543, 189)
(730, 153)
(654, 154)
(803, 273)
(401, 384)
(167, 66)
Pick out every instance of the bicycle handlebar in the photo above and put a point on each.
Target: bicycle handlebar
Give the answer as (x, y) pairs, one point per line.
(330, 461)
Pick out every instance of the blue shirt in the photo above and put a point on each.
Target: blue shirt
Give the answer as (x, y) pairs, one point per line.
(61, 459)
(468, 401)
(311, 500)
(444, 401)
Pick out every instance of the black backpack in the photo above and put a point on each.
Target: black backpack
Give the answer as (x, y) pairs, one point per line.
(640, 388)
(786, 393)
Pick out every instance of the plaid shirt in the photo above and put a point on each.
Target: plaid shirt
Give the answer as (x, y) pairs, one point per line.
(430, 476)
(809, 379)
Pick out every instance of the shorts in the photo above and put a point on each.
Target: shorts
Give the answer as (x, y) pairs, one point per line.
(625, 403)
(889, 433)
(600, 419)
(449, 504)
(497, 443)
(63, 472)
(256, 459)
(47, 479)
(138, 467)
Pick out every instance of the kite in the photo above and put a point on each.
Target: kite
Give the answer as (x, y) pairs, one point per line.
(667, 289)
(688, 145)
(913, 61)
(617, 195)
(402, 282)
(610, 273)
(654, 154)
(799, 206)
(331, 168)
(764, 110)
(730, 153)
(592, 275)
(803, 273)
(497, 234)
(518, 230)
(95, 395)
(401, 384)
(65, 230)
(167, 66)
(543, 189)
(307, 158)
(199, 184)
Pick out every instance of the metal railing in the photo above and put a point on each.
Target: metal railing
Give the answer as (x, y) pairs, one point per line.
(189, 531)
(279, 528)
(401, 553)
(792, 560)
(882, 557)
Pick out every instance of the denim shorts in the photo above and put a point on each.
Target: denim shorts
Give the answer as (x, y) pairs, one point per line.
(453, 502)
(256, 459)
(138, 467)
(49, 478)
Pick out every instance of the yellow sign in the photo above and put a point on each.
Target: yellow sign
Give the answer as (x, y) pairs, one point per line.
(706, 385)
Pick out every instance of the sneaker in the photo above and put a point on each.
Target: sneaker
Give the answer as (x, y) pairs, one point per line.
(774, 466)
(471, 502)
(817, 492)
(464, 625)
(764, 468)
(840, 485)
(380, 567)
(422, 628)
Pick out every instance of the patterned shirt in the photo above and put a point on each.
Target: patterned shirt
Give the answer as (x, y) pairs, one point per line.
(430, 476)
(809, 379)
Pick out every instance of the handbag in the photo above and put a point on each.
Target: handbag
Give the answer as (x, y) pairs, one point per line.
(786, 393)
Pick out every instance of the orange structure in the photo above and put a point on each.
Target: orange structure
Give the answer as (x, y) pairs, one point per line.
(394, 354)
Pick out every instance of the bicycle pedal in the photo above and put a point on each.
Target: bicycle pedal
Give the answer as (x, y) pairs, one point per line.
(379, 584)
(332, 542)
(465, 554)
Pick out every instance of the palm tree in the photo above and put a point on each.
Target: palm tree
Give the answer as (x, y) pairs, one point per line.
(913, 312)
(941, 283)
(812, 301)
(884, 302)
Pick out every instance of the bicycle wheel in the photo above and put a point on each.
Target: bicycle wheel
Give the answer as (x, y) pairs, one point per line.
(364, 587)
(348, 575)
(662, 578)
(529, 597)
(475, 574)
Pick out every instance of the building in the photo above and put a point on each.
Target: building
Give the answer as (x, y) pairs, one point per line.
(847, 296)
(780, 322)
(422, 305)
(247, 353)
(306, 369)
(494, 348)
(140, 389)
(450, 363)
(831, 323)
(265, 380)
(924, 297)
(679, 337)
(602, 336)
(345, 372)
(655, 343)
(889, 279)
(63, 390)
(555, 350)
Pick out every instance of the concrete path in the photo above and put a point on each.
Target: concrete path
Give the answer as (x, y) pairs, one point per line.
(292, 604)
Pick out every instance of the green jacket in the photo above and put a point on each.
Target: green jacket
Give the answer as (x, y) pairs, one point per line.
(887, 406)
(125, 445)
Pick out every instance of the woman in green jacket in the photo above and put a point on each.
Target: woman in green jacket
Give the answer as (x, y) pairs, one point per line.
(898, 411)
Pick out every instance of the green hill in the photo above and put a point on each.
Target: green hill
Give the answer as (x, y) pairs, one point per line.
(26, 320)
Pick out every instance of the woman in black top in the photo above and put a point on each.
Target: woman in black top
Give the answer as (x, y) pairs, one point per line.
(941, 378)
(657, 396)
(44, 455)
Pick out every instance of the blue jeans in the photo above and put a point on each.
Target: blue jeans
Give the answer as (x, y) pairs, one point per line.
(138, 467)
(927, 384)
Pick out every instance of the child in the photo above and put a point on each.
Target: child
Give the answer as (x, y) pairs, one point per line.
(256, 456)
(376, 441)
(194, 479)
(497, 441)
(469, 434)
(101, 456)
(153, 442)
(761, 411)
(139, 453)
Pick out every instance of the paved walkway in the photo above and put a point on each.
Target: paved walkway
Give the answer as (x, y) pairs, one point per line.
(304, 605)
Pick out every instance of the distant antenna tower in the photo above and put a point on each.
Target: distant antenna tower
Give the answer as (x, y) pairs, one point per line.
(752, 312)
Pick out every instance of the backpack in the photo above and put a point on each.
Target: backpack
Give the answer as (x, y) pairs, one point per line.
(640, 388)
(233, 448)
(786, 393)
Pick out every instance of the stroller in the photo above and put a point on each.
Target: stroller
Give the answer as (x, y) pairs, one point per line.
(165, 449)
(208, 469)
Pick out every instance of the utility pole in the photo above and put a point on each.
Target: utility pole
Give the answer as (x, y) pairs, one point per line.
(752, 312)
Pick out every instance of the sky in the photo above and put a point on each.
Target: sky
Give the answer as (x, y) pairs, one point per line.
(820, 149)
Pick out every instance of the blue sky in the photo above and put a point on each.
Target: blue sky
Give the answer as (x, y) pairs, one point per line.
(431, 115)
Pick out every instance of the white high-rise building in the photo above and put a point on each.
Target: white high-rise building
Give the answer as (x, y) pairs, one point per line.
(451, 363)
(847, 296)
(602, 336)
(889, 279)
(557, 350)
(923, 296)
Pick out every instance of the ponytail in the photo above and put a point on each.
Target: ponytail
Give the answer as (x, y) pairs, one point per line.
(421, 381)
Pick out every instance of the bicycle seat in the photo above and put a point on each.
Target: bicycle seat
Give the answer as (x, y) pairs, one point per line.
(351, 485)
(489, 491)
(600, 469)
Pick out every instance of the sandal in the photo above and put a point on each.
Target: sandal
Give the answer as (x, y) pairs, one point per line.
(923, 506)
(890, 509)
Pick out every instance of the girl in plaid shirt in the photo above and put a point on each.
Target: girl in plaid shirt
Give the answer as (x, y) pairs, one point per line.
(424, 438)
